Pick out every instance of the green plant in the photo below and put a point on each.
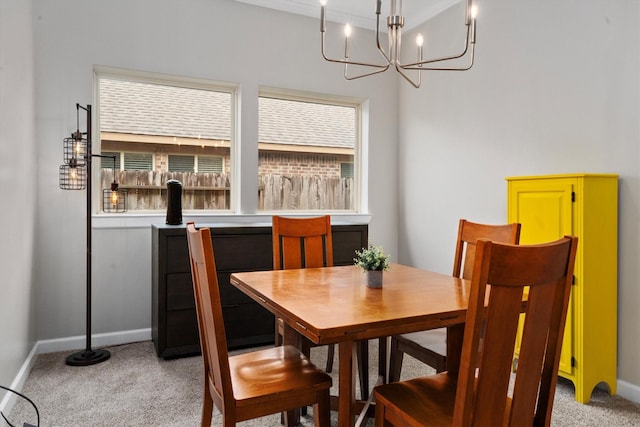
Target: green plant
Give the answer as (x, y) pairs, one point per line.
(372, 258)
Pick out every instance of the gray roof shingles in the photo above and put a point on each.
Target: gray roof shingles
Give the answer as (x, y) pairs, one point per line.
(153, 109)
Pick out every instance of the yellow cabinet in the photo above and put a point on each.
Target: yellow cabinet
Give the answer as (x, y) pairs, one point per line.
(586, 206)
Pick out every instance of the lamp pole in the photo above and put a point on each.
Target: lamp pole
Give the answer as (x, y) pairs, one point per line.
(88, 356)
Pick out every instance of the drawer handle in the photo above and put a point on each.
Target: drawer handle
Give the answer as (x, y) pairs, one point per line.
(262, 300)
(301, 325)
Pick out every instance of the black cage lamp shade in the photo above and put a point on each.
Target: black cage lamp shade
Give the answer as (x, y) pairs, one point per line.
(114, 200)
(72, 177)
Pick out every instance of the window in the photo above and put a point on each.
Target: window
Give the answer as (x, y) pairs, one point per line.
(210, 164)
(346, 170)
(307, 148)
(181, 163)
(138, 161)
(163, 128)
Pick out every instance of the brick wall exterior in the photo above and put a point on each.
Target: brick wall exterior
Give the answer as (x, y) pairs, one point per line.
(284, 163)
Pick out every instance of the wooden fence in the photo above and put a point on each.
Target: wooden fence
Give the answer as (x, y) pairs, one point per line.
(304, 192)
(147, 190)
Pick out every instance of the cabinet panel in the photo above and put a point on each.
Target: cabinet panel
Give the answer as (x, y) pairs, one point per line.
(179, 331)
(247, 323)
(234, 252)
(545, 211)
(345, 242)
(179, 291)
(178, 261)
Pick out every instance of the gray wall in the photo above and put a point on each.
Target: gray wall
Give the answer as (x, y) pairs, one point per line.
(18, 159)
(554, 90)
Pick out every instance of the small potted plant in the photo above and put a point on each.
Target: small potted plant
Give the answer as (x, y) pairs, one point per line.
(373, 262)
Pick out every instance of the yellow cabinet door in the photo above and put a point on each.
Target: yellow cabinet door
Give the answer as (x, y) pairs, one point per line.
(545, 211)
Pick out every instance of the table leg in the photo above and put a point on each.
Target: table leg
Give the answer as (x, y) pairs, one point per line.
(346, 383)
(291, 337)
(455, 335)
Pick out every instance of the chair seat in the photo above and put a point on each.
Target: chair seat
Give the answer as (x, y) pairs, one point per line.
(274, 371)
(428, 400)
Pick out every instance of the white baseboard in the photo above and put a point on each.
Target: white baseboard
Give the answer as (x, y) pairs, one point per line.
(97, 340)
(628, 391)
(10, 398)
(68, 344)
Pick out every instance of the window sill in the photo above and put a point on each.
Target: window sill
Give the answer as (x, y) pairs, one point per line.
(129, 221)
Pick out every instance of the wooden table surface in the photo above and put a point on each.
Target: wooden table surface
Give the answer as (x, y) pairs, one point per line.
(333, 305)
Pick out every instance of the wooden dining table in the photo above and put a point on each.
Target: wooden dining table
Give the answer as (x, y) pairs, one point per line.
(333, 305)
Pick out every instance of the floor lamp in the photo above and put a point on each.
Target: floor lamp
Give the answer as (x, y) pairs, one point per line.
(75, 174)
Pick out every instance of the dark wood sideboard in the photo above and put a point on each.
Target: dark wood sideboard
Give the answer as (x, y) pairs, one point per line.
(174, 326)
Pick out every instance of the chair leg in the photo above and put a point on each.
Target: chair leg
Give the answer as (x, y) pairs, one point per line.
(322, 410)
(380, 421)
(207, 411)
(362, 353)
(330, 353)
(278, 338)
(207, 406)
(395, 364)
(290, 418)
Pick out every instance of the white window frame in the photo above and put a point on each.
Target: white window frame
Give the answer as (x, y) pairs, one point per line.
(112, 73)
(359, 167)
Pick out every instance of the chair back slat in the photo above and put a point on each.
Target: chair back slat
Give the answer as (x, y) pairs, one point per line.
(469, 233)
(501, 274)
(213, 340)
(302, 242)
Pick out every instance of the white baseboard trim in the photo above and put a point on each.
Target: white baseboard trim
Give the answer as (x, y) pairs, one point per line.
(10, 398)
(67, 344)
(628, 391)
(97, 340)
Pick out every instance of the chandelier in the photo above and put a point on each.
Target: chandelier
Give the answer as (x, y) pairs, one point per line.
(391, 56)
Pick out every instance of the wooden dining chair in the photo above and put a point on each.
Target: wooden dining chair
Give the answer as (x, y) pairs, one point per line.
(479, 394)
(430, 347)
(308, 243)
(254, 384)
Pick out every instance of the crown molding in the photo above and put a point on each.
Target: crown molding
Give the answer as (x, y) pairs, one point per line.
(354, 12)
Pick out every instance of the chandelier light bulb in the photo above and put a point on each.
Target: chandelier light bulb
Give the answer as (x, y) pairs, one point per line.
(114, 198)
(347, 30)
(419, 40)
(474, 11)
(323, 2)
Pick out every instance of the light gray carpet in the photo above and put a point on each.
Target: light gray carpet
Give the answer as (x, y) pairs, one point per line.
(136, 388)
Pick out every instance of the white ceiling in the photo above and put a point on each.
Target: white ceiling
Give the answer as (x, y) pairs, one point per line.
(360, 13)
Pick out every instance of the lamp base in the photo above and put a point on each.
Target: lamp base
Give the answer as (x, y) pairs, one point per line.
(87, 357)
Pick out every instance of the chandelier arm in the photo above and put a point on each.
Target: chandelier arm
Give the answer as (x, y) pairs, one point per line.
(346, 61)
(407, 78)
(378, 45)
(468, 43)
(465, 68)
(371, 73)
